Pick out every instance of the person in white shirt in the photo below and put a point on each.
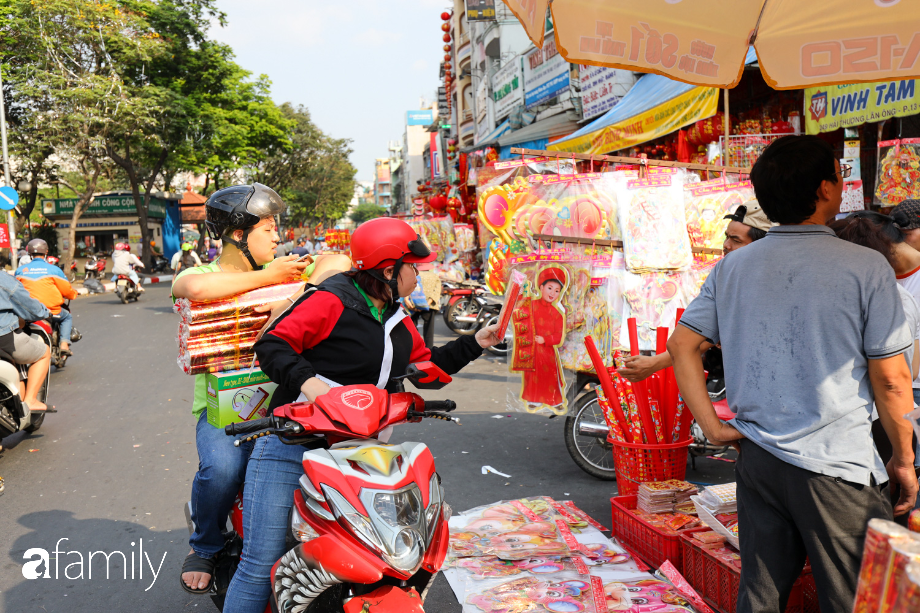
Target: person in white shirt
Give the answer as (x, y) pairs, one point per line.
(122, 264)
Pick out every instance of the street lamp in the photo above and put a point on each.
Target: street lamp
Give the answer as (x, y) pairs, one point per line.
(24, 186)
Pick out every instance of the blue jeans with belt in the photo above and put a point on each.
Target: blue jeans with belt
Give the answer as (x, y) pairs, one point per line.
(66, 320)
(221, 472)
(272, 477)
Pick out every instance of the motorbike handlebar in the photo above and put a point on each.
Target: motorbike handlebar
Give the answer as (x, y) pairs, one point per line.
(246, 427)
(440, 405)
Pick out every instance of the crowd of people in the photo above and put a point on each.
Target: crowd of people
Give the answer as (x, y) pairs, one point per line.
(818, 320)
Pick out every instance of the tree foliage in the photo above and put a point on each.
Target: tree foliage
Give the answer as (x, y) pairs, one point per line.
(365, 212)
(138, 85)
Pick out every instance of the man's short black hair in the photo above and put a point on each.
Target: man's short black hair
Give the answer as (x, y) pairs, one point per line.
(755, 234)
(787, 176)
(301, 241)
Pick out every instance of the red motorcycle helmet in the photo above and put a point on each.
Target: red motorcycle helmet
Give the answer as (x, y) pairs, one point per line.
(387, 241)
(122, 247)
(52, 260)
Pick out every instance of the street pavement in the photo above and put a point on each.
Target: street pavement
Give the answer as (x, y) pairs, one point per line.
(111, 471)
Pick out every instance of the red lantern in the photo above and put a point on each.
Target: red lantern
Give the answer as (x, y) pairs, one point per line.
(446, 48)
(445, 27)
(446, 57)
(446, 38)
(438, 202)
(445, 16)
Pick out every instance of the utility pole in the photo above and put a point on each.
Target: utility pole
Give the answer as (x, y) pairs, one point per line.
(11, 222)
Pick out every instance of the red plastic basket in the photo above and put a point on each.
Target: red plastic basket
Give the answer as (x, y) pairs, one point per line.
(649, 542)
(637, 464)
(718, 582)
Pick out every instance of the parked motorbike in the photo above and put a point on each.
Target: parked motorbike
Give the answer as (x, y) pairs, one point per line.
(58, 359)
(586, 431)
(126, 289)
(369, 519)
(72, 275)
(454, 292)
(94, 266)
(15, 415)
(467, 314)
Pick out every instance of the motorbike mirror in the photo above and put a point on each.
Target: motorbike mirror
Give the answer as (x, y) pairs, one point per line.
(426, 376)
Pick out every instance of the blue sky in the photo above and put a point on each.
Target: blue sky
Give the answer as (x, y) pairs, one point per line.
(358, 65)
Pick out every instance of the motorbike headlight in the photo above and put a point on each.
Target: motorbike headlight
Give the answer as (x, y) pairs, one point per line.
(434, 505)
(349, 517)
(407, 551)
(398, 508)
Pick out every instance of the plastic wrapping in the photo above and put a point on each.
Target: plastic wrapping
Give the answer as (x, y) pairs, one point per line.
(653, 222)
(237, 306)
(898, 171)
(653, 299)
(881, 536)
(577, 206)
(506, 531)
(903, 553)
(215, 360)
(706, 204)
(218, 326)
(908, 599)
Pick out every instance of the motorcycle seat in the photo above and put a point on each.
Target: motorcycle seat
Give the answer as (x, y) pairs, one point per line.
(120, 277)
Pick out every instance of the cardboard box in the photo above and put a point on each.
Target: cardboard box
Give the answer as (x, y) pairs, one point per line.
(238, 395)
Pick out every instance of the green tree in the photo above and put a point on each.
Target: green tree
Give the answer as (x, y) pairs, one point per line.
(61, 83)
(365, 212)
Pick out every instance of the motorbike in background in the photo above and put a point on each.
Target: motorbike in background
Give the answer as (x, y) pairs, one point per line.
(58, 359)
(126, 289)
(15, 415)
(94, 266)
(160, 263)
(451, 293)
(369, 522)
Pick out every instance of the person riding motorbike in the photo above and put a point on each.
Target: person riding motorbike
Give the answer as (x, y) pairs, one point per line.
(350, 330)
(123, 262)
(184, 258)
(747, 224)
(49, 285)
(243, 218)
(16, 308)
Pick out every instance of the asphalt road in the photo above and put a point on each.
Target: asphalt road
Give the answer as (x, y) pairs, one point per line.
(111, 471)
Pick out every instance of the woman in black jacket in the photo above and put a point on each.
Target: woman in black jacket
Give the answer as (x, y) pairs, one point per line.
(349, 330)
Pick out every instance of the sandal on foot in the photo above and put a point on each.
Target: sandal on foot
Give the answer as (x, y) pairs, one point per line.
(195, 564)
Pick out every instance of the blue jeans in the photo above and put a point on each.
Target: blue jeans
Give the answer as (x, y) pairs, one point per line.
(916, 396)
(221, 472)
(271, 480)
(66, 320)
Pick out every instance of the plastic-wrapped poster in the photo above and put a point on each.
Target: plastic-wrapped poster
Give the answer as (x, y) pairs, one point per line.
(466, 238)
(577, 206)
(853, 198)
(898, 171)
(706, 205)
(553, 285)
(602, 317)
(653, 299)
(507, 531)
(653, 222)
(563, 592)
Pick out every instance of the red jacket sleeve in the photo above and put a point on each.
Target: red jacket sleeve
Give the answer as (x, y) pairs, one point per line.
(280, 350)
(420, 353)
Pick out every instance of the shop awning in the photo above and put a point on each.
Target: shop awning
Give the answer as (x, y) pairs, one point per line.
(537, 135)
(655, 106)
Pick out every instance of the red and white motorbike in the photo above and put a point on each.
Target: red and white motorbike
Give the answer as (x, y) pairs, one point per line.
(369, 522)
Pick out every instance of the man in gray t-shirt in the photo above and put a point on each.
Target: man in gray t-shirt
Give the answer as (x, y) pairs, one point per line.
(811, 329)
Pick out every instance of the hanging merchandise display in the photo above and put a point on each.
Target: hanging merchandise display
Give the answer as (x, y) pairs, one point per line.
(568, 206)
(898, 171)
(653, 222)
(603, 315)
(706, 204)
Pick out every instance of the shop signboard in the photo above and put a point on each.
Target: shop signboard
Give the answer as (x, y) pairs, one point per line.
(419, 118)
(480, 10)
(698, 103)
(830, 107)
(103, 205)
(546, 73)
(602, 88)
(507, 88)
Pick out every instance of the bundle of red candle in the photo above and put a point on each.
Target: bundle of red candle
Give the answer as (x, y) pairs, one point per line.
(218, 335)
(649, 412)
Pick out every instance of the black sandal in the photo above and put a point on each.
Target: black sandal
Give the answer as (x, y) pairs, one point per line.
(195, 564)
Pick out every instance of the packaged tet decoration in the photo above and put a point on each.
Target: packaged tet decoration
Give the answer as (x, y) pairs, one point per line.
(706, 205)
(511, 532)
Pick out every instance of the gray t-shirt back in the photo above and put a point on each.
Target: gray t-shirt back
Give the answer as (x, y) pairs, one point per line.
(799, 313)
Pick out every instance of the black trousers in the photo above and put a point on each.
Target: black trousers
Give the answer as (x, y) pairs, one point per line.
(428, 328)
(786, 514)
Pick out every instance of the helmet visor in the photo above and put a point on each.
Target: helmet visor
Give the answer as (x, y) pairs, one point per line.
(264, 202)
(419, 252)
